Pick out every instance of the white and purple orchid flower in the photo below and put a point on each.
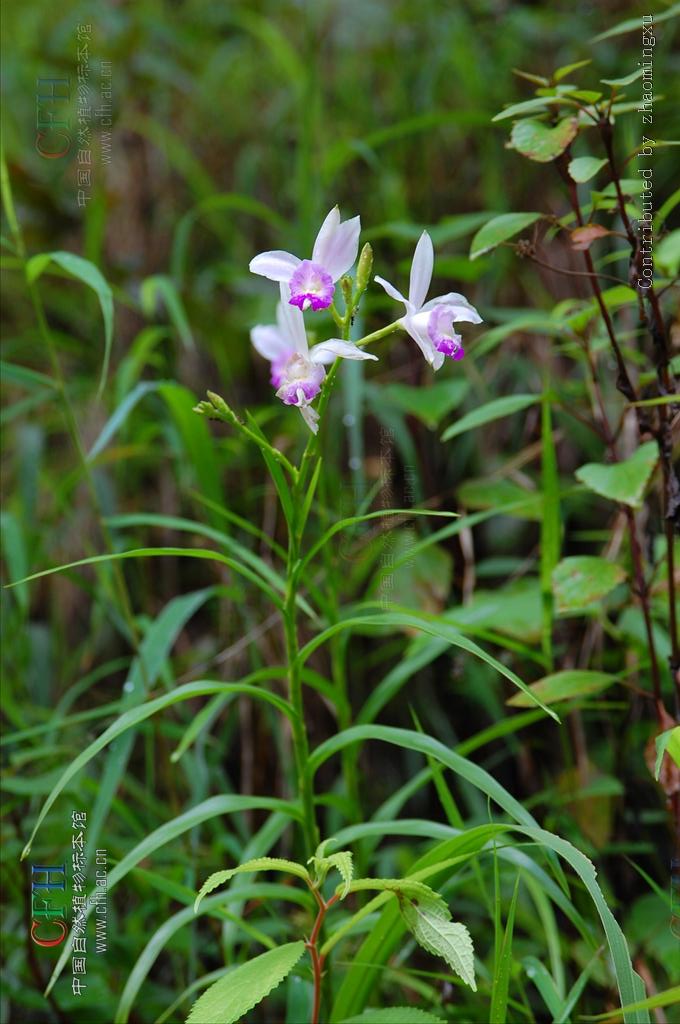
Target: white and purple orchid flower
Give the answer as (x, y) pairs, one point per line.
(297, 372)
(430, 324)
(312, 282)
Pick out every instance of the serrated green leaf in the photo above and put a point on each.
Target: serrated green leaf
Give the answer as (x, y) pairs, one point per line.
(540, 142)
(489, 412)
(218, 878)
(395, 1015)
(568, 685)
(624, 482)
(500, 229)
(405, 888)
(447, 939)
(90, 275)
(240, 990)
(342, 862)
(582, 580)
(583, 168)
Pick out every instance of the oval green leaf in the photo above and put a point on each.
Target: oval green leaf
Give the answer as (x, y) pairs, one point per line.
(623, 482)
(583, 168)
(581, 581)
(539, 142)
(500, 229)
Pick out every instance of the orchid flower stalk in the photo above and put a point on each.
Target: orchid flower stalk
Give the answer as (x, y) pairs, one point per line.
(301, 375)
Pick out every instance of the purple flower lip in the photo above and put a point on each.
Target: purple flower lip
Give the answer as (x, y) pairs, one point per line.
(300, 381)
(311, 287)
(441, 332)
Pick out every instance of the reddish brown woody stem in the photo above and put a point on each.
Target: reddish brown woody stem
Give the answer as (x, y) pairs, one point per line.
(312, 945)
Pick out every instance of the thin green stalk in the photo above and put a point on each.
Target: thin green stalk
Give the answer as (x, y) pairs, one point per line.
(300, 740)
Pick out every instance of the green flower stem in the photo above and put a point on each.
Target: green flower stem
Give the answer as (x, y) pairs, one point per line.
(382, 333)
(303, 479)
(300, 740)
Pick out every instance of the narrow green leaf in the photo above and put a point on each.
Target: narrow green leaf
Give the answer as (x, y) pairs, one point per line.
(489, 412)
(502, 967)
(671, 997)
(537, 105)
(116, 420)
(344, 524)
(432, 626)
(567, 69)
(626, 80)
(545, 983)
(234, 995)
(86, 272)
(139, 714)
(161, 287)
(200, 553)
(218, 878)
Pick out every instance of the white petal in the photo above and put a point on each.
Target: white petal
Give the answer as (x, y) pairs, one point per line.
(311, 417)
(269, 342)
(326, 232)
(292, 322)
(439, 360)
(394, 293)
(337, 244)
(461, 309)
(421, 270)
(276, 265)
(334, 348)
(422, 340)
